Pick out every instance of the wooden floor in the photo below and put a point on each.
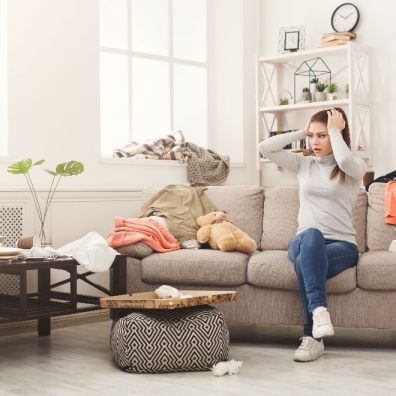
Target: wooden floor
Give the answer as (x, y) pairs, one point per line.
(77, 361)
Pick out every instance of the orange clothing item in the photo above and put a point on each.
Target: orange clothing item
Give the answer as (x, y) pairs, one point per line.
(152, 233)
(390, 202)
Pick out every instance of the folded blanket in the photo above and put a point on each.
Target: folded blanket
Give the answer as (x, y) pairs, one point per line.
(390, 203)
(152, 233)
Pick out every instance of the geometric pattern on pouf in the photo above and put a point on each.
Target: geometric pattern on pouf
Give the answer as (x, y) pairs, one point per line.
(164, 341)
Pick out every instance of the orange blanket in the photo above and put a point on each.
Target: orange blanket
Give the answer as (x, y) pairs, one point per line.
(152, 233)
(390, 202)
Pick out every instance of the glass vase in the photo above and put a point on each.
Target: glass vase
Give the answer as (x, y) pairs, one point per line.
(42, 232)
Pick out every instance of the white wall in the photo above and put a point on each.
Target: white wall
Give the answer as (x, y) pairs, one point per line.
(54, 94)
(377, 29)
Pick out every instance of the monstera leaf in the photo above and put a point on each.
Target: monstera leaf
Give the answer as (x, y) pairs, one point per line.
(71, 168)
(23, 167)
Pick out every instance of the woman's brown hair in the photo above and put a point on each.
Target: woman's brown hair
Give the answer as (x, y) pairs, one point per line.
(321, 116)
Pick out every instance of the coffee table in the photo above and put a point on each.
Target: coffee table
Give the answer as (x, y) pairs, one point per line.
(46, 302)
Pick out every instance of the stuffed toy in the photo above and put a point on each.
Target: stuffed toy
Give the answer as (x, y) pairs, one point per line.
(223, 235)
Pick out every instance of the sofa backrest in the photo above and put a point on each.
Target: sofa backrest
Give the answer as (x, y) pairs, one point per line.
(281, 206)
(379, 233)
(244, 204)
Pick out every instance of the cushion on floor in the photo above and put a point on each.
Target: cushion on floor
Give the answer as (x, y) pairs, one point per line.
(163, 341)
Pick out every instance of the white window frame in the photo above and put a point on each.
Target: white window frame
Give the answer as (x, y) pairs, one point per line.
(171, 61)
(3, 79)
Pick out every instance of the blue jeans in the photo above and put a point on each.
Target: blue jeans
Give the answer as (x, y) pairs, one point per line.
(315, 260)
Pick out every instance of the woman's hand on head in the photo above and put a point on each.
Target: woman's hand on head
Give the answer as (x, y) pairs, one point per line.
(335, 120)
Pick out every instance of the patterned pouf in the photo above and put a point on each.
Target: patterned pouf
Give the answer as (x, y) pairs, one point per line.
(163, 341)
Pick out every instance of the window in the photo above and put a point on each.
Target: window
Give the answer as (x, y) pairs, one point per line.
(3, 80)
(153, 70)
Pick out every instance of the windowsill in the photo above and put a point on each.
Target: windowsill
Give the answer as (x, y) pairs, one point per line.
(4, 159)
(140, 162)
(150, 162)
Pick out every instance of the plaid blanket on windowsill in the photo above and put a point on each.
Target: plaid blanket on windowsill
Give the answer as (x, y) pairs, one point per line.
(204, 166)
(169, 147)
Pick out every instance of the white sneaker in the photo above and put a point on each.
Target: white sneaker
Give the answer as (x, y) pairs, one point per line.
(322, 326)
(309, 350)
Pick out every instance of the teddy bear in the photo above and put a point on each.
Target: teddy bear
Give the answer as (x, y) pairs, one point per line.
(216, 228)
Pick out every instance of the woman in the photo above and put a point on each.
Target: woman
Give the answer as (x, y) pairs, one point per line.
(325, 244)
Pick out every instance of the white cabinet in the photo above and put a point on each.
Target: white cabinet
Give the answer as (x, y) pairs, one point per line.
(349, 64)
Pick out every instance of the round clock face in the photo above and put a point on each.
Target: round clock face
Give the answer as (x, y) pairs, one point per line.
(345, 18)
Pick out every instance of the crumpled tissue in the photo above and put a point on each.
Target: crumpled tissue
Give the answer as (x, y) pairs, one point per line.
(166, 291)
(230, 367)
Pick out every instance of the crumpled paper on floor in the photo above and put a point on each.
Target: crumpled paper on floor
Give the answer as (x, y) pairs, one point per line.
(230, 367)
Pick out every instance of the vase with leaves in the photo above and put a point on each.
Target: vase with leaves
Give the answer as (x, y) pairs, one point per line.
(70, 168)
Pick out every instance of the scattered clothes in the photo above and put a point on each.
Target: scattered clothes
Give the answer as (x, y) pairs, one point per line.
(169, 147)
(392, 247)
(382, 179)
(190, 244)
(181, 205)
(231, 367)
(166, 291)
(151, 232)
(390, 203)
(91, 251)
(206, 167)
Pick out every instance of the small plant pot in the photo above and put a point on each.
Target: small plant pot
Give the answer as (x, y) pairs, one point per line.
(306, 96)
(320, 96)
(331, 96)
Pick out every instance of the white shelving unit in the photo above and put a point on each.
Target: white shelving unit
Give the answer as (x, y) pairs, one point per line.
(349, 64)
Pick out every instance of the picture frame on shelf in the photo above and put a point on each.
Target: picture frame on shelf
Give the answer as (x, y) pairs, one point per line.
(291, 39)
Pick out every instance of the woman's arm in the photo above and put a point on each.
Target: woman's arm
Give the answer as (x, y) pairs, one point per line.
(347, 162)
(272, 148)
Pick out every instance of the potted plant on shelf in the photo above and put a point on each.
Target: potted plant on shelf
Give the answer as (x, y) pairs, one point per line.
(285, 97)
(306, 95)
(332, 89)
(313, 83)
(63, 169)
(320, 94)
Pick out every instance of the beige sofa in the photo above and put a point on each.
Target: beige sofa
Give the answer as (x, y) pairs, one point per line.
(360, 297)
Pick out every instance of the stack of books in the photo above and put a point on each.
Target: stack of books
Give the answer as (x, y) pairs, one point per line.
(336, 38)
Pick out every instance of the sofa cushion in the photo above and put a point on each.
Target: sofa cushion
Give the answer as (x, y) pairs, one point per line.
(244, 204)
(195, 267)
(280, 225)
(377, 271)
(136, 250)
(272, 269)
(379, 233)
(280, 217)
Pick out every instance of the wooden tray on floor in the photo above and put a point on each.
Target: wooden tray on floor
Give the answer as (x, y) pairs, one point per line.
(150, 300)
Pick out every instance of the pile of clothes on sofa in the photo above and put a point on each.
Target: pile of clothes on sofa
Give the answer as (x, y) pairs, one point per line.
(167, 221)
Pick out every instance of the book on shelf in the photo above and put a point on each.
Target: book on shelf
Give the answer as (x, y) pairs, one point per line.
(350, 34)
(333, 43)
(336, 38)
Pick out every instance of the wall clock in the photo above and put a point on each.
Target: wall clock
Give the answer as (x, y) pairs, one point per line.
(345, 17)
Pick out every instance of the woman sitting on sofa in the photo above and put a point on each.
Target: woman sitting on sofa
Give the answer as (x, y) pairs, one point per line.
(325, 244)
